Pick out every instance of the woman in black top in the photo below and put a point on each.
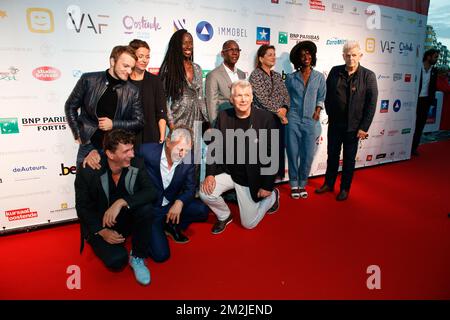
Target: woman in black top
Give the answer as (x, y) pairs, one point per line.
(152, 96)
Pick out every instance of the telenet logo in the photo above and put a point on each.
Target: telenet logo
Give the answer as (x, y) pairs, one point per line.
(370, 45)
(40, 20)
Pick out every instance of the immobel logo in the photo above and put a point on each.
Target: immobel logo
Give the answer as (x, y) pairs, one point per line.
(40, 20)
(67, 170)
(370, 45)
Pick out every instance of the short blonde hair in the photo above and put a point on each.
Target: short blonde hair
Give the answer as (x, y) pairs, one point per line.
(349, 45)
(241, 84)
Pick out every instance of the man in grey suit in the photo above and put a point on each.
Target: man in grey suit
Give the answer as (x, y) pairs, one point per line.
(219, 80)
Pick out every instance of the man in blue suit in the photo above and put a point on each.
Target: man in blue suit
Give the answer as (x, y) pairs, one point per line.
(171, 169)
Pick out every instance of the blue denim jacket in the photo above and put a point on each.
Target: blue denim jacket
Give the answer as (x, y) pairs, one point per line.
(304, 104)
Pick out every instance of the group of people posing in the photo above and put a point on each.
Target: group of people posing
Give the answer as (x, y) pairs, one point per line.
(126, 111)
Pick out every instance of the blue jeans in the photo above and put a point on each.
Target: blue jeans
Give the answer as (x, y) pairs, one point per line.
(195, 211)
(301, 147)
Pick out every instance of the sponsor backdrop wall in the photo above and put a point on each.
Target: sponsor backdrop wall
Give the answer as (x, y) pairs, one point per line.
(46, 46)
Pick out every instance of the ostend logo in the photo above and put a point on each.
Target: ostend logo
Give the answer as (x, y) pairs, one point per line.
(262, 35)
(383, 77)
(46, 73)
(204, 31)
(140, 24)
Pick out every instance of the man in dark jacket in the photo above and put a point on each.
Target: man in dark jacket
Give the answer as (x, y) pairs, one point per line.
(350, 104)
(172, 173)
(106, 100)
(426, 97)
(240, 158)
(115, 201)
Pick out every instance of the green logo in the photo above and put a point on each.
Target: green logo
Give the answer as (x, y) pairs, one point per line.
(204, 73)
(406, 131)
(9, 125)
(282, 37)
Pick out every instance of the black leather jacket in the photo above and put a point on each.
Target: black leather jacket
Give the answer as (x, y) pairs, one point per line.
(85, 96)
(362, 101)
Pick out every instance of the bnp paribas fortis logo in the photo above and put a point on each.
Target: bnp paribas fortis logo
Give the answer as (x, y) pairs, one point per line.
(9, 125)
(40, 20)
(282, 37)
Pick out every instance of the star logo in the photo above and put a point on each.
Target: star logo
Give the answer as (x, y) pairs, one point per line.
(262, 35)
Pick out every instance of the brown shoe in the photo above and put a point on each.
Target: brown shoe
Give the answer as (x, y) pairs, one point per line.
(324, 188)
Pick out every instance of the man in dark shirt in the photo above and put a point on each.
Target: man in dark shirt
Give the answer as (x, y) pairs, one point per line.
(350, 104)
(114, 202)
(106, 100)
(426, 97)
(246, 131)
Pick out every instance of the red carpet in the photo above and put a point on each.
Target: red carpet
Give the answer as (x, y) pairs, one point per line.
(396, 218)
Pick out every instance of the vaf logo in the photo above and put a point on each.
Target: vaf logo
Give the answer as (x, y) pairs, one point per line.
(387, 46)
(76, 20)
(204, 31)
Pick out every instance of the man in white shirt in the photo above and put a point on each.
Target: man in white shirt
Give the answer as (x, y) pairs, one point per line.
(219, 80)
(171, 169)
(427, 91)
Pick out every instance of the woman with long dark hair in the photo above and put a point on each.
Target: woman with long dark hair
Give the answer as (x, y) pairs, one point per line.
(182, 80)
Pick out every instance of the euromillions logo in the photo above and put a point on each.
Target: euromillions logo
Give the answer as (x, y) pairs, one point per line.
(262, 35)
(204, 31)
(397, 105)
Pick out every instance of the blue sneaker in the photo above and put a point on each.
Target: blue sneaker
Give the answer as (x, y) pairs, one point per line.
(141, 271)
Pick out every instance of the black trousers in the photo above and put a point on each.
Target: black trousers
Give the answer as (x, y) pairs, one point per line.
(337, 137)
(138, 224)
(423, 106)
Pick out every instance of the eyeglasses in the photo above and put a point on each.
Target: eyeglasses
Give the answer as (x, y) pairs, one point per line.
(232, 50)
